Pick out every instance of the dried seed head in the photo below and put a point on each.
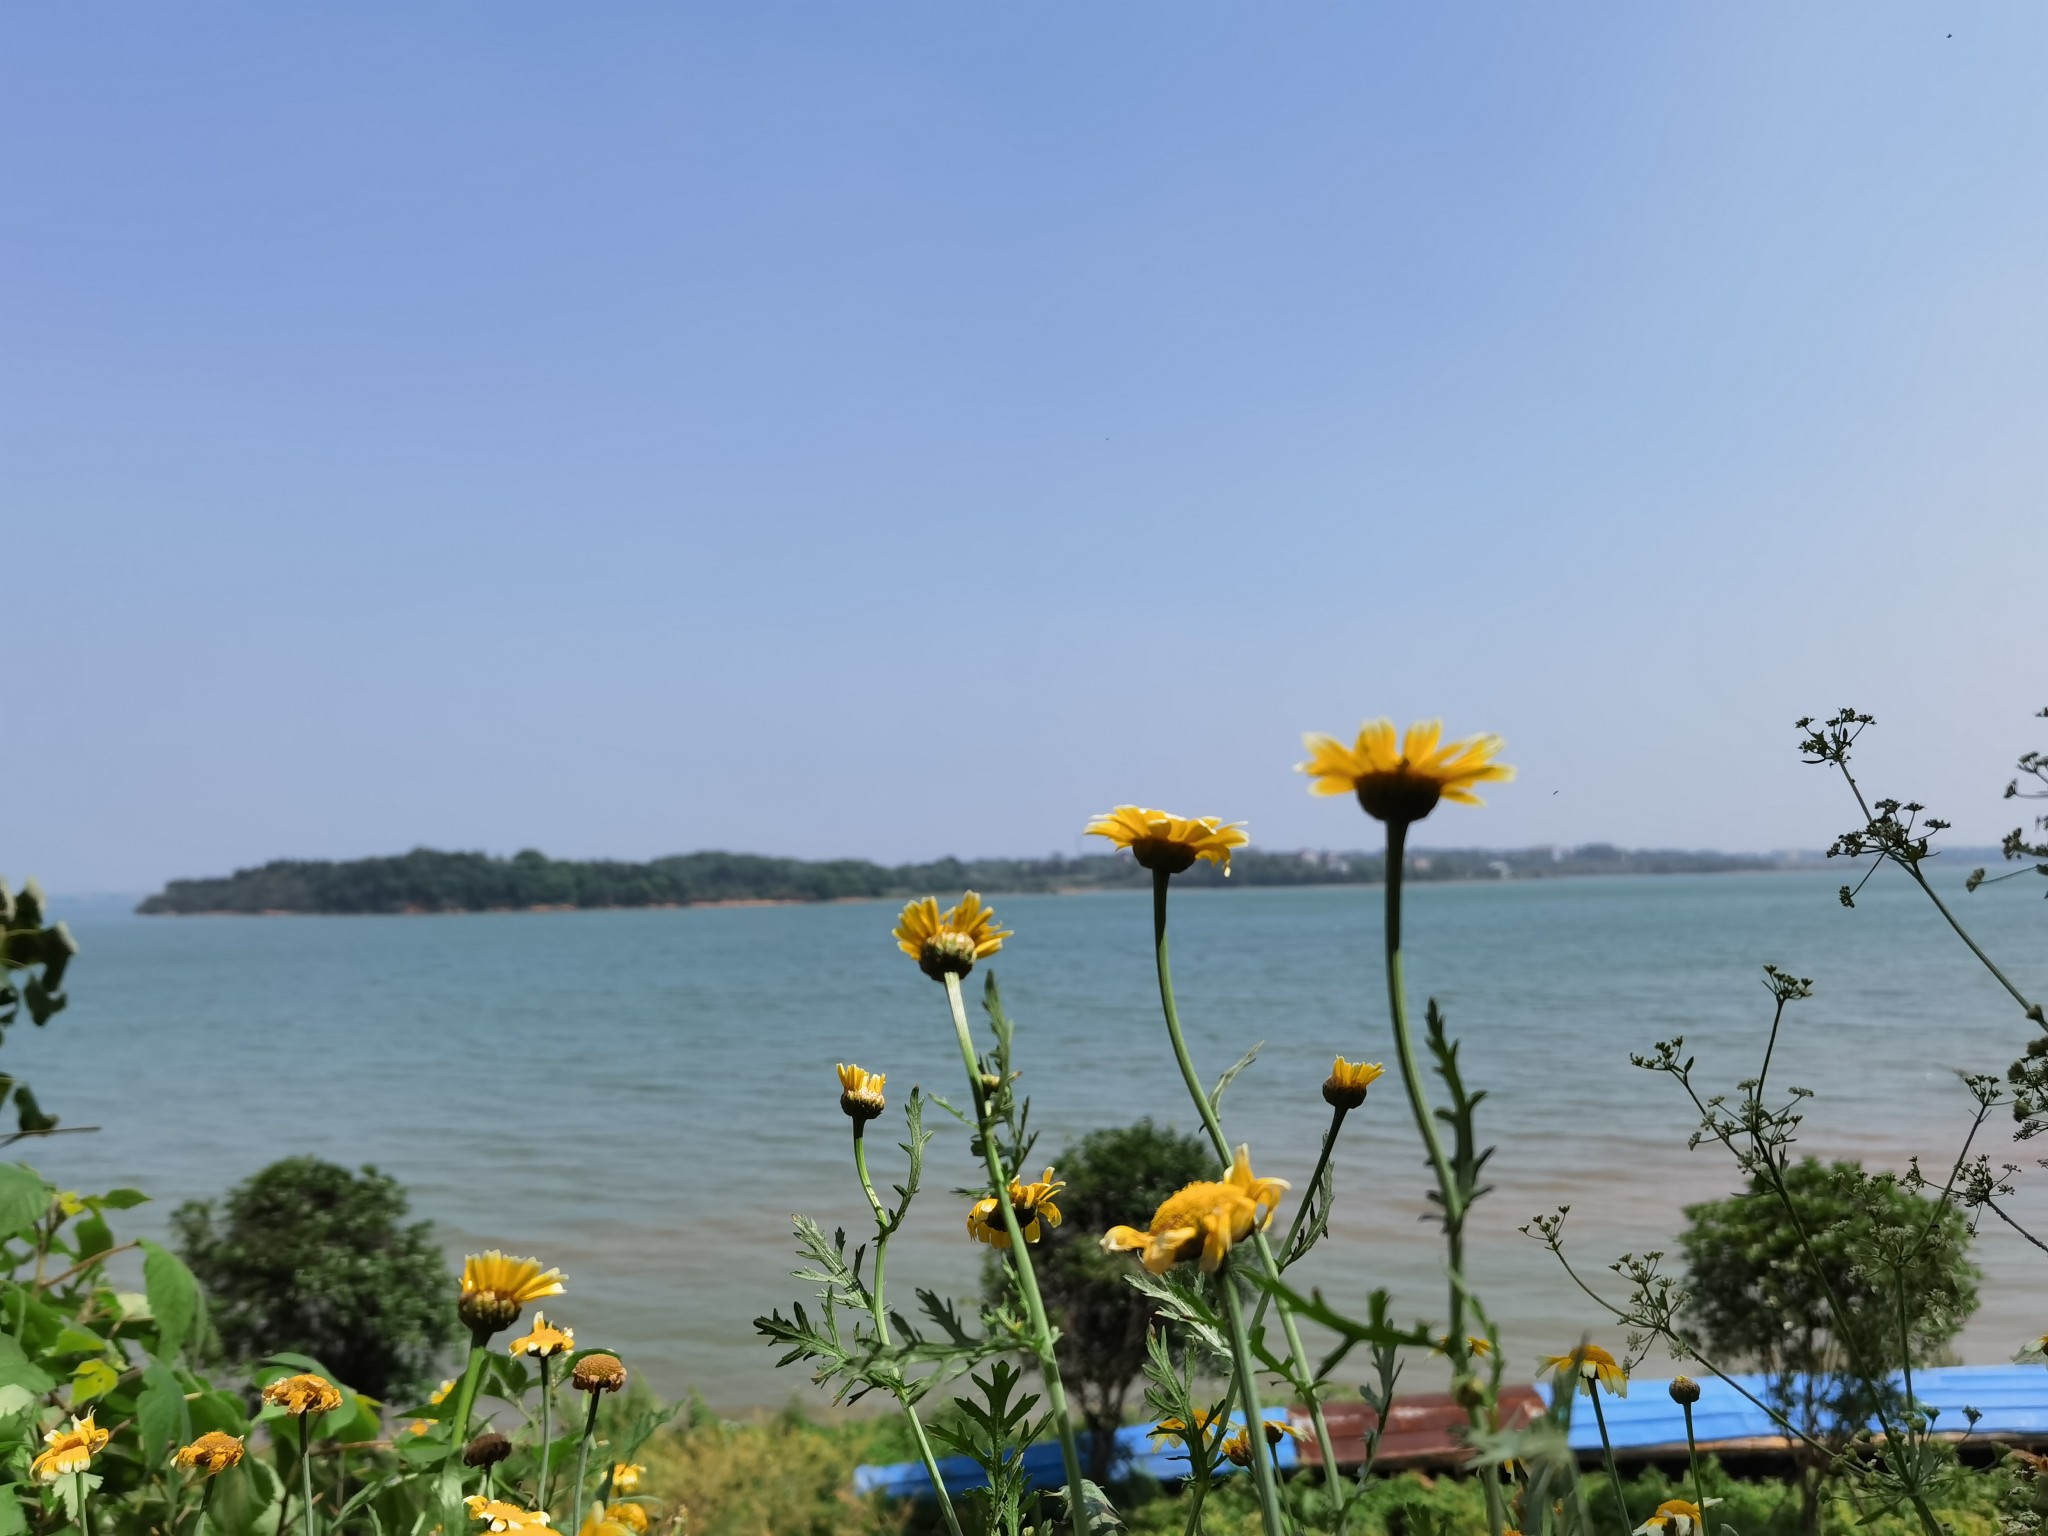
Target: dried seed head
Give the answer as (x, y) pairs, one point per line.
(598, 1373)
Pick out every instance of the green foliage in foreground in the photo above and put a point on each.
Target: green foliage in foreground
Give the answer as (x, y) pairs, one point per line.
(788, 1474)
(309, 1258)
(427, 880)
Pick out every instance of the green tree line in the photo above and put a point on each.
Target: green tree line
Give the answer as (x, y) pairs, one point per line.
(428, 880)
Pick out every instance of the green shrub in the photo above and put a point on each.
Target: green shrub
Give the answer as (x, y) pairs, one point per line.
(1113, 1176)
(1881, 1279)
(310, 1258)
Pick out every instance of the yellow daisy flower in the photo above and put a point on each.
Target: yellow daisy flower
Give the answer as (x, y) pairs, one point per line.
(1475, 1346)
(546, 1341)
(495, 1288)
(1161, 841)
(1594, 1364)
(1676, 1517)
(948, 943)
(631, 1516)
(617, 1520)
(1402, 782)
(1203, 1220)
(303, 1394)
(860, 1093)
(1177, 1430)
(212, 1453)
(500, 1516)
(420, 1427)
(1238, 1447)
(626, 1476)
(440, 1393)
(1034, 1204)
(1345, 1087)
(68, 1450)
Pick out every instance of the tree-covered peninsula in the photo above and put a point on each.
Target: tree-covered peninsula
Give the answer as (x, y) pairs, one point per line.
(428, 880)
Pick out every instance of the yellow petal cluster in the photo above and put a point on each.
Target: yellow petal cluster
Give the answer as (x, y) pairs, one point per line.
(303, 1394)
(1036, 1207)
(615, 1520)
(948, 943)
(1204, 1220)
(68, 1449)
(1401, 781)
(1159, 840)
(1178, 1430)
(1238, 1447)
(1345, 1087)
(1676, 1517)
(860, 1093)
(1594, 1365)
(212, 1453)
(500, 1516)
(546, 1341)
(626, 1476)
(495, 1287)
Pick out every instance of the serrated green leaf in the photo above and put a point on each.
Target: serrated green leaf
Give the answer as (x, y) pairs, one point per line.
(24, 1199)
(17, 1370)
(120, 1199)
(160, 1412)
(173, 1298)
(91, 1379)
(12, 1521)
(245, 1500)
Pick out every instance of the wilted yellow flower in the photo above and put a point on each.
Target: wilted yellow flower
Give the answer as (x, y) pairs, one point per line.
(1161, 841)
(1676, 1517)
(1594, 1364)
(860, 1093)
(948, 943)
(1402, 782)
(495, 1288)
(1204, 1219)
(1474, 1345)
(212, 1453)
(1238, 1447)
(500, 1516)
(546, 1341)
(303, 1394)
(1034, 1203)
(1345, 1087)
(68, 1450)
(626, 1476)
(440, 1393)
(617, 1520)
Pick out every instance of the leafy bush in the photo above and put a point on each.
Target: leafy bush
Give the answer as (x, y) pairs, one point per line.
(1861, 1277)
(1112, 1176)
(311, 1259)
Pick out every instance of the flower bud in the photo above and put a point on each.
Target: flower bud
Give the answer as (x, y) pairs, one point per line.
(1684, 1389)
(598, 1373)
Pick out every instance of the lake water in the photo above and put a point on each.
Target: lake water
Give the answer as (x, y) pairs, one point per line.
(643, 1098)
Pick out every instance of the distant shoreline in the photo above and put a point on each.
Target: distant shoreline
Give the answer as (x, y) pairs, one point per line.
(427, 882)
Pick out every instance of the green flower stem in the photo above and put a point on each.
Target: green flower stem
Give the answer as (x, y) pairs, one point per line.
(1607, 1450)
(1248, 1395)
(583, 1461)
(465, 1394)
(305, 1470)
(547, 1426)
(1301, 1211)
(1271, 1265)
(1425, 1122)
(1020, 1256)
(1692, 1451)
(885, 1228)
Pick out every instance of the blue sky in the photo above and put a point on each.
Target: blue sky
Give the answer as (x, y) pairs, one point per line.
(906, 429)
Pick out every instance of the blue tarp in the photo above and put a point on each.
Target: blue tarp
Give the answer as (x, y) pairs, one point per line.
(1138, 1451)
(2013, 1400)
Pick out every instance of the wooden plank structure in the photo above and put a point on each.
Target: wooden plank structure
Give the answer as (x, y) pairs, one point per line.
(1423, 1430)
